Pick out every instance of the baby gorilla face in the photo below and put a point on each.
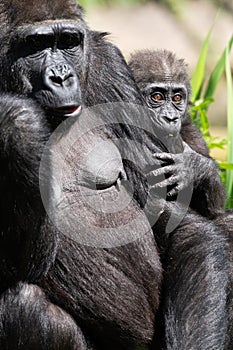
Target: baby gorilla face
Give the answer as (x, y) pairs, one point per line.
(164, 82)
(168, 102)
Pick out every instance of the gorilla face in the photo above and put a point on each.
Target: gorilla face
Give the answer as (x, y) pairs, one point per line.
(47, 60)
(169, 103)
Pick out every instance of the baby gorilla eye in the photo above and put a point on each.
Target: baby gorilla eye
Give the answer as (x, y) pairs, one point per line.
(177, 98)
(157, 96)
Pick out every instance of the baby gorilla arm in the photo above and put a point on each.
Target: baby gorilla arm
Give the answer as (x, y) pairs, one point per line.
(188, 168)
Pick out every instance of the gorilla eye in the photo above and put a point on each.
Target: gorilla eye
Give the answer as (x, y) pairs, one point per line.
(157, 97)
(69, 41)
(177, 98)
(37, 42)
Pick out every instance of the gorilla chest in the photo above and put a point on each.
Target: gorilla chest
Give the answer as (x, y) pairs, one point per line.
(115, 288)
(107, 272)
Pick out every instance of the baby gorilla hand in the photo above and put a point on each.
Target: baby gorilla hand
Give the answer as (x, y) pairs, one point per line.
(180, 170)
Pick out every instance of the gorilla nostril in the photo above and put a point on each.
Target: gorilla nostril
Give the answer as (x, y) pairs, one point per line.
(59, 76)
(56, 80)
(170, 119)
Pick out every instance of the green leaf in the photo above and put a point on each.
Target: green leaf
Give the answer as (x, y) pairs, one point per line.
(204, 121)
(199, 72)
(217, 72)
(225, 166)
(199, 114)
(229, 175)
(202, 103)
(215, 142)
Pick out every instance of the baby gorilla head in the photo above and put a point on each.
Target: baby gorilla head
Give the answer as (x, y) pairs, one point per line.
(163, 80)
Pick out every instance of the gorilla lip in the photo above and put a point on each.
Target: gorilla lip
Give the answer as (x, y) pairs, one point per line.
(67, 111)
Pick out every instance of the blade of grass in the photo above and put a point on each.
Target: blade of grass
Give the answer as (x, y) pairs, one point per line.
(217, 72)
(225, 166)
(199, 72)
(229, 174)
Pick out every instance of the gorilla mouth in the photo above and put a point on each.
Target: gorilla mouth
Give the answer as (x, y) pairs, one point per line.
(67, 111)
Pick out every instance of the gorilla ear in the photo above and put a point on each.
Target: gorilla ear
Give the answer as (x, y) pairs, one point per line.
(20, 12)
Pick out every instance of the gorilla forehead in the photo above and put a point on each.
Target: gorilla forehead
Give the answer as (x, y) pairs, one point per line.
(49, 27)
(18, 12)
(158, 65)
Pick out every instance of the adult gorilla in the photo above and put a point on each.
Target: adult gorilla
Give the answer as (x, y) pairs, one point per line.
(57, 293)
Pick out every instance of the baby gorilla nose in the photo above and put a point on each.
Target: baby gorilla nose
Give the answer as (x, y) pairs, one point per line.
(170, 119)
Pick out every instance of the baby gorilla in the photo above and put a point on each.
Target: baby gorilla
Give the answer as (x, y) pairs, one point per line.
(164, 82)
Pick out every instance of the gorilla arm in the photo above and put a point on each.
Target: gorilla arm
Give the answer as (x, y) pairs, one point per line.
(28, 241)
(28, 320)
(188, 168)
(23, 222)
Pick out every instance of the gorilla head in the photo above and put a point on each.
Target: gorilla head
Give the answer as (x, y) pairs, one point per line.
(43, 56)
(164, 82)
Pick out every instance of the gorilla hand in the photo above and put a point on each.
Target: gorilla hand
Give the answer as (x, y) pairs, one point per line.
(182, 170)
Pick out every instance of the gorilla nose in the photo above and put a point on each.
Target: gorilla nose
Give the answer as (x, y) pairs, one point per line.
(170, 119)
(61, 75)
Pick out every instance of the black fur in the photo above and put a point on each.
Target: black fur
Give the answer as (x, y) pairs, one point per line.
(194, 164)
(76, 296)
(163, 67)
(26, 315)
(24, 253)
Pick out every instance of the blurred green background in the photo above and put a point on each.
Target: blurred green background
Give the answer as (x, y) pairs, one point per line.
(171, 4)
(183, 27)
(180, 26)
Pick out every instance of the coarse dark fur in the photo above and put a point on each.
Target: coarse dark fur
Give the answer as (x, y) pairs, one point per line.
(162, 67)
(160, 71)
(57, 293)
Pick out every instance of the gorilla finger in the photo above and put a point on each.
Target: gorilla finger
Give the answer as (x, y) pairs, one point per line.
(175, 190)
(168, 182)
(163, 170)
(163, 156)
